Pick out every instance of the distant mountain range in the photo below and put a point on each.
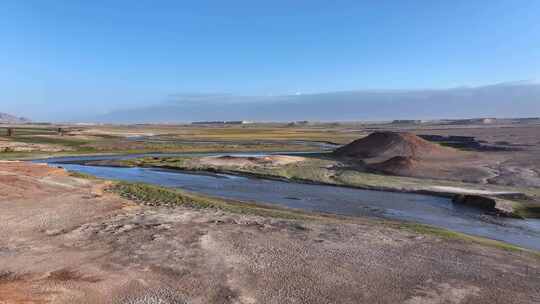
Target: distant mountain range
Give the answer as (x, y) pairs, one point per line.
(11, 119)
(516, 99)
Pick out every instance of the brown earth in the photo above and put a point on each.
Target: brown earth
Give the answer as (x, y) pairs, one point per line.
(14, 146)
(398, 165)
(406, 154)
(66, 240)
(385, 145)
(519, 166)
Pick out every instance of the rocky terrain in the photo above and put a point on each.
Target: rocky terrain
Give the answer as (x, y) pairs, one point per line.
(387, 144)
(510, 153)
(67, 240)
(406, 154)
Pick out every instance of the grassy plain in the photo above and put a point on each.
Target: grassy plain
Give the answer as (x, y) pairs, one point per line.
(42, 141)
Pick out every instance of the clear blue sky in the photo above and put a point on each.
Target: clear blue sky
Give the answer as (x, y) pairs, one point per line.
(94, 56)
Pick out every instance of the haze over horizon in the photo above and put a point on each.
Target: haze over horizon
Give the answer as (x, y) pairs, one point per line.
(505, 100)
(315, 60)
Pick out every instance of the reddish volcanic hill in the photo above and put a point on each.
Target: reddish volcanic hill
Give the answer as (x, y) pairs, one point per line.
(399, 165)
(391, 144)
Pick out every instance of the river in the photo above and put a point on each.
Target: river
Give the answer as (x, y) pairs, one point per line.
(425, 209)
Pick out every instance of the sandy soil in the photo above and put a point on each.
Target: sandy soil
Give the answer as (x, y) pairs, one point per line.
(122, 132)
(65, 240)
(237, 161)
(467, 190)
(14, 146)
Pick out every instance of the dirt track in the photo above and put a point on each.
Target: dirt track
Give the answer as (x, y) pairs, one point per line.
(65, 240)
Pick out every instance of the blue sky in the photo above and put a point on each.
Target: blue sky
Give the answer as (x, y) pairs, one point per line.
(62, 58)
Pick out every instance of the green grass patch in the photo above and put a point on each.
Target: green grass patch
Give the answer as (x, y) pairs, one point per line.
(83, 175)
(49, 140)
(176, 162)
(28, 131)
(452, 235)
(527, 209)
(160, 196)
(7, 155)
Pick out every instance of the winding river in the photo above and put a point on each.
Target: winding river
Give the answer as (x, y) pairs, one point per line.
(425, 209)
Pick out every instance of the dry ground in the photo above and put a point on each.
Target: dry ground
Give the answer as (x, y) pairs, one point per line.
(65, 240)
(242, 162)
(520, 168)
(513, 168)
(14, 146)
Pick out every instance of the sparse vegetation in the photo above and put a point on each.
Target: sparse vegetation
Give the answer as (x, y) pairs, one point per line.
(83, 175)
(171, 139)
(452, 235)
(160, 196)
(527, 209)
(322, 169)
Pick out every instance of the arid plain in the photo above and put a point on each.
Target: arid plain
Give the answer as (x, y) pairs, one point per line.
(71, 238)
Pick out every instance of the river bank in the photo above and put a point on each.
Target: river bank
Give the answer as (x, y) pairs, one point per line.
(324, 170)
(312, 196)
(70, 240)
